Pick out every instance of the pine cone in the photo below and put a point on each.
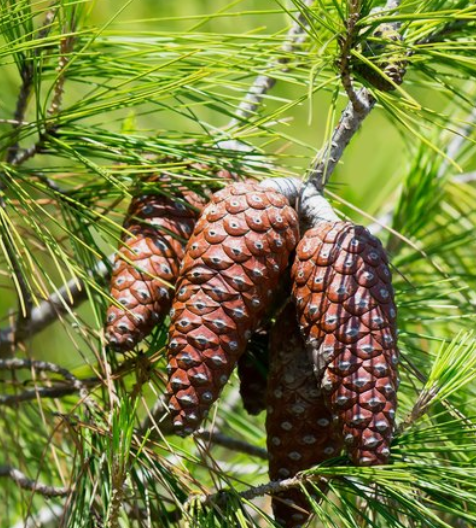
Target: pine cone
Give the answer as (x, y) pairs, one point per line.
(233, 263)
(299, 425)
(253, 365)
(388, 56)
(146, 265)
(253, 373)
(345, 303)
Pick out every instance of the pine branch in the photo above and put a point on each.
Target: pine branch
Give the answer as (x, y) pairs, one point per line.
(263, 83)
(76, 385)
(59, 391)
(27, 78)
(41, 366)
(28, 484)
(49, 310)
(356, 111)
(349, 123)
(270, 488)
(66, 46)
(346, 47)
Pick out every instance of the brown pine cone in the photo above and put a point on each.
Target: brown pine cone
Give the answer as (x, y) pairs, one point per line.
(345, 303)
(299, 425)
(146, 265)
(233, 263)
(388, 55)
(253, 373)
(253, 365)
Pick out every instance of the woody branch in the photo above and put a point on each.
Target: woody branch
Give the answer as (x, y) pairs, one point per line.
(359, 107)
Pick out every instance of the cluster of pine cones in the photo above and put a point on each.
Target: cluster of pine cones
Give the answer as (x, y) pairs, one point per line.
(309, 319)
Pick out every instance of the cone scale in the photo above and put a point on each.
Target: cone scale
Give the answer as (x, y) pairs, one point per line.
(146, 265)
(233, 263)
(300, 431)
(347, 314)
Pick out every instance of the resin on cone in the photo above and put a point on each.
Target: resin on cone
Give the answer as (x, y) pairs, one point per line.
(233, 263)
(300, 431)
(345, 303)
(146, 265)
(253, 373)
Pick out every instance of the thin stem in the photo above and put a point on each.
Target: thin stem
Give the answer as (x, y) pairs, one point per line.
(56, 391)
(346, 45)
(48, 311)
(40, 366)
(349, 123)
(45, 366)
(270, 488)
(66, 46)
(27, 76)
(263, 83)
(356, 111)
(28, 484)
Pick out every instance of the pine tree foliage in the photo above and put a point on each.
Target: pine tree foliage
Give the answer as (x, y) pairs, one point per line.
(90, 107)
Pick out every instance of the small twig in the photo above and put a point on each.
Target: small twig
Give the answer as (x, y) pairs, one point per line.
(346, 45)
(349, 123)
(25, 154)
(26, 87)
(45, 366)
(324, 164)
(40, 392)
(71, 384)
(57, 304)
(37, 487)
(22, 103)
(40, 366)
(66, 46)
(263, 83)
(13, 122)
(270, 488)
